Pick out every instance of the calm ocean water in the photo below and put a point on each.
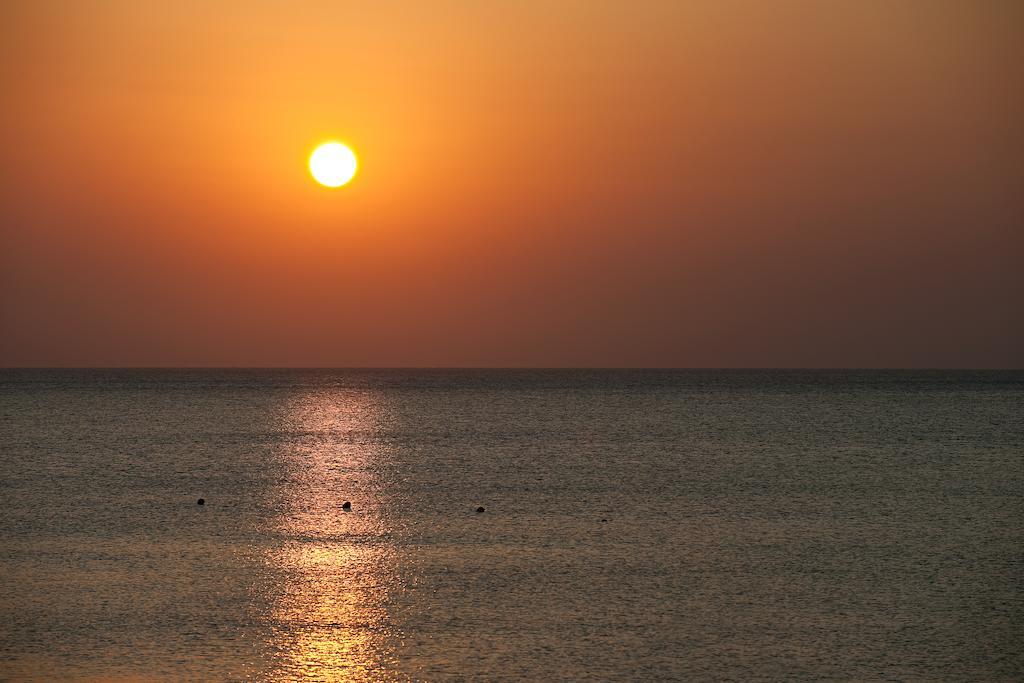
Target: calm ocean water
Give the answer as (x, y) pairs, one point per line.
(638, 525)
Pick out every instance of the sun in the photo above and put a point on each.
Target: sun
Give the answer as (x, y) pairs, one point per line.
(332, 164)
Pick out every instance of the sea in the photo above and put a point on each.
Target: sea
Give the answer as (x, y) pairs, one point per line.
(511, 525)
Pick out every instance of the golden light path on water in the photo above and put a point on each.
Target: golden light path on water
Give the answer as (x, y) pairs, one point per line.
(336, 567)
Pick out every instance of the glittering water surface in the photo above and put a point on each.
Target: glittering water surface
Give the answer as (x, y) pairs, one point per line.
(638, 525)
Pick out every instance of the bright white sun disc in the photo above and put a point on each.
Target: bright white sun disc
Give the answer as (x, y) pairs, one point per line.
(332, 164)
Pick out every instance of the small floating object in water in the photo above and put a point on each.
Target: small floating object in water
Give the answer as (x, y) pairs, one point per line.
(346, 505)
(604, 519)
(480, 509)
(201, 501)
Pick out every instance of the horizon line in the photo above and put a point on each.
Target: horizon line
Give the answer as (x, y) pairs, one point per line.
(521, 367)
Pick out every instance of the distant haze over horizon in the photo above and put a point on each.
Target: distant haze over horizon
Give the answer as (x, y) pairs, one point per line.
(484, 369)
(704, 184)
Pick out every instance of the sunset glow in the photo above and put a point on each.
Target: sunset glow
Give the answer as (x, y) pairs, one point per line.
(570, 184)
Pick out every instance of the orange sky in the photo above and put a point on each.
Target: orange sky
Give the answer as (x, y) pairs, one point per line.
(579, 183)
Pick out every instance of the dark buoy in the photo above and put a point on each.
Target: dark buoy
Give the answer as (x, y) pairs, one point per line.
(480, 509)
(201, 501)
(346, 505)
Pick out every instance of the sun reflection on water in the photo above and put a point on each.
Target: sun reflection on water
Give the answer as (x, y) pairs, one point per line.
(329, 615)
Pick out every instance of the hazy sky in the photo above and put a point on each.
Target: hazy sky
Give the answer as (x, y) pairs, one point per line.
(586, 183)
